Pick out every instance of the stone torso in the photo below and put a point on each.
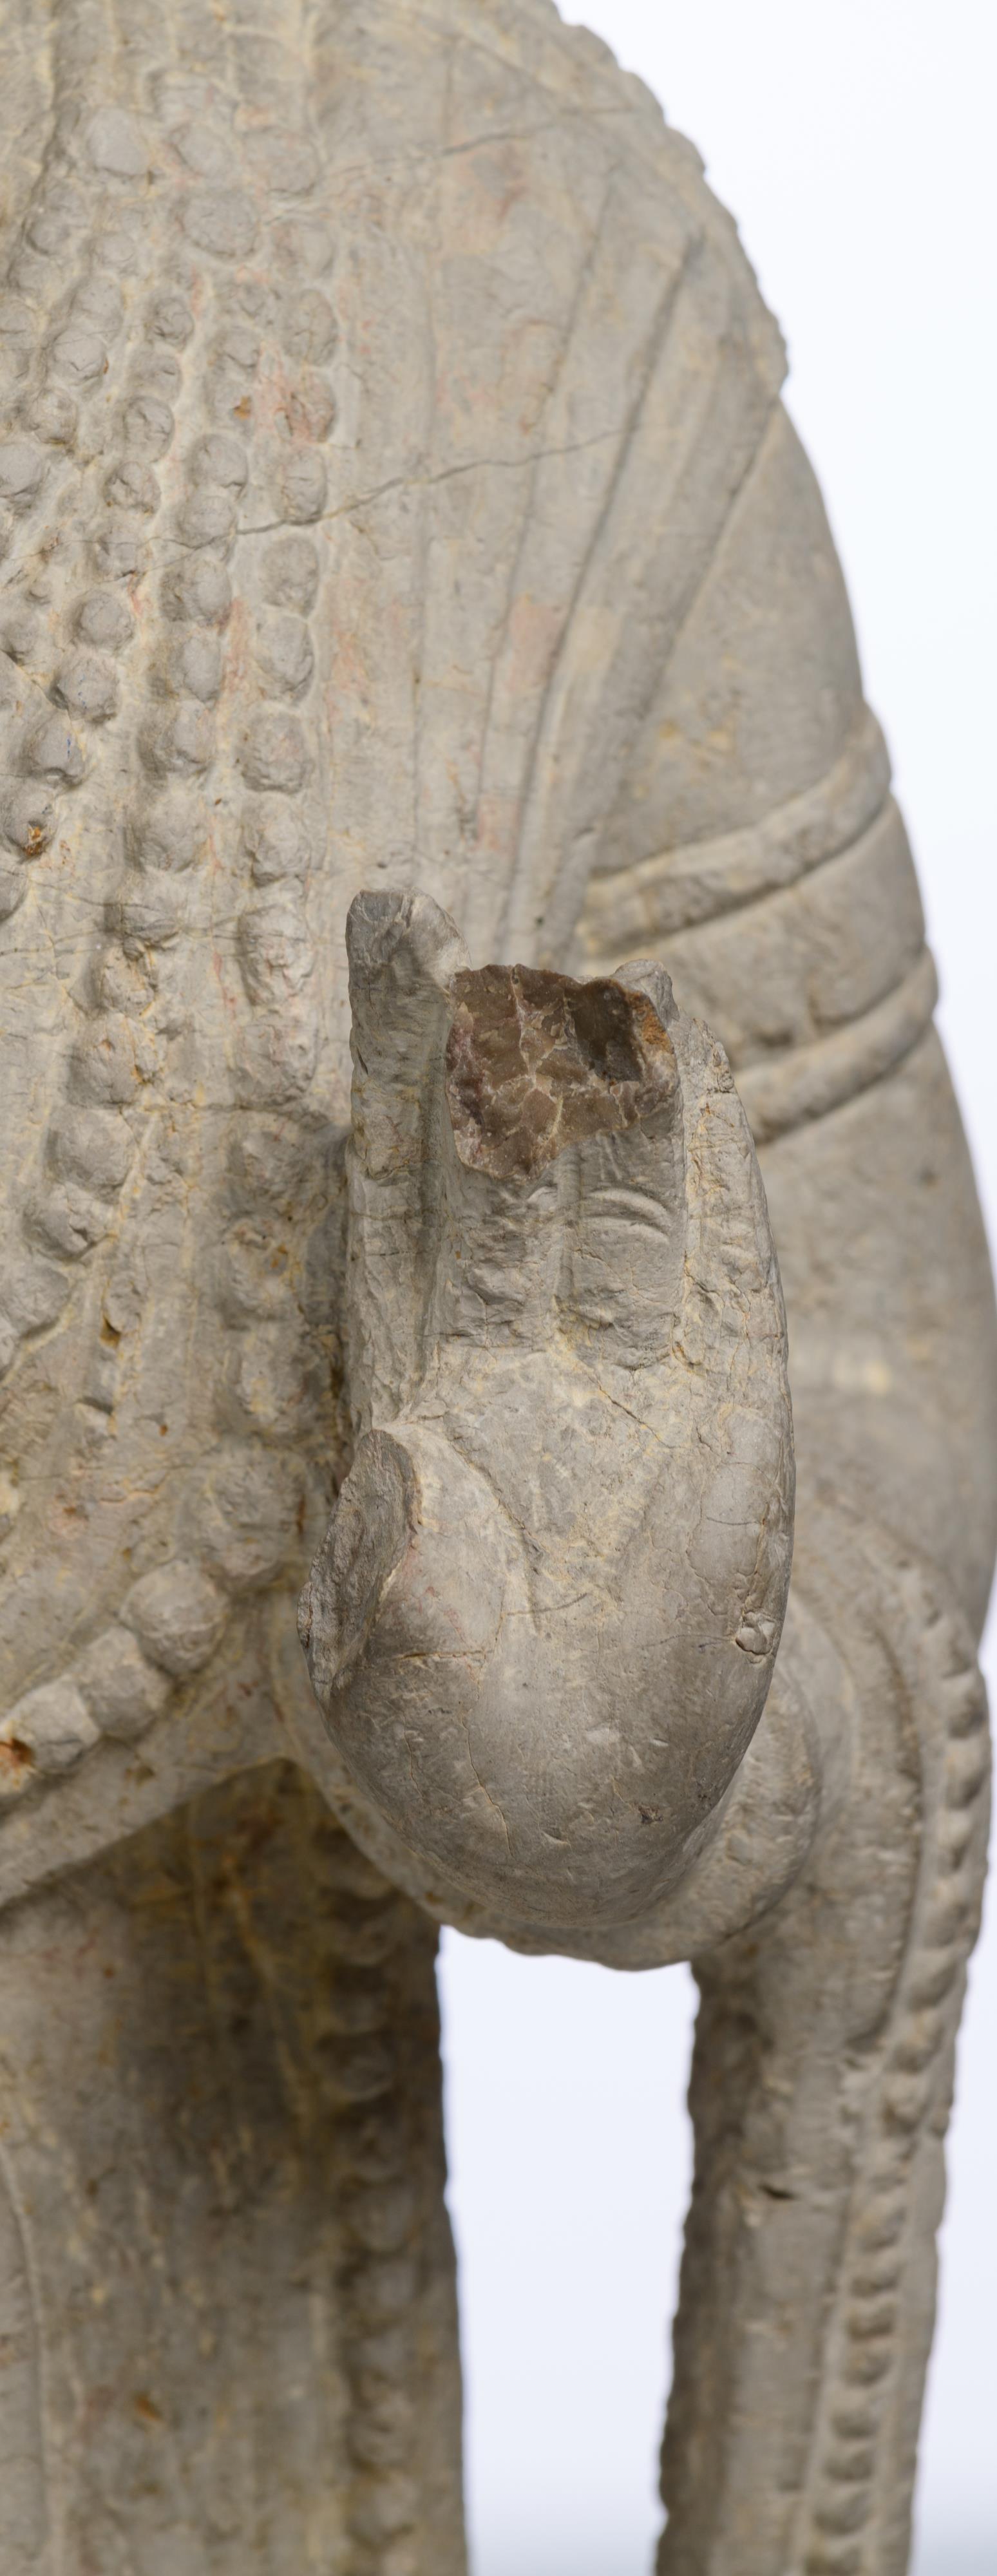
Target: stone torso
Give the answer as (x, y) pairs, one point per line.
(395, 494)
(387, 474)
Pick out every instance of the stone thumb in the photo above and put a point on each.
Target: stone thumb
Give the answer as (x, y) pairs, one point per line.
(367, 1537)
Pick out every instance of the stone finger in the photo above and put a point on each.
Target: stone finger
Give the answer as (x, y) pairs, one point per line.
(403, 954)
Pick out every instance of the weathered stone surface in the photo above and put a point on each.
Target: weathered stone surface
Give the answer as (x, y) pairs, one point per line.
(395, 494)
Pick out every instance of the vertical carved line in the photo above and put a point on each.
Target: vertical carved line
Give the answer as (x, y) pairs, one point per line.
(28, 2497)
(379, 2048)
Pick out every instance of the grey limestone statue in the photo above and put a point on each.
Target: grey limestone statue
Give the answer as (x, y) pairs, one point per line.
(406, 554)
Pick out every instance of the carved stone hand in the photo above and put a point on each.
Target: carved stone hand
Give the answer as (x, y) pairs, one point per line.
(544, 1619)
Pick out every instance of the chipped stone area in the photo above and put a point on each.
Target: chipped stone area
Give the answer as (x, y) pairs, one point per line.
(536, 1062)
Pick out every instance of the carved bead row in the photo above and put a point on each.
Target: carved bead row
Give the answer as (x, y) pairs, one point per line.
(169, 1626)
(247, 1519)
(381, 2276)
(89, 1145)
(279, 1050)
(277, 1041)
(262, 1338)
(916, 2066)
(58, 334)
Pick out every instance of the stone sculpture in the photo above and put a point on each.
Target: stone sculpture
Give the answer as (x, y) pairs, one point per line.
(403, 540)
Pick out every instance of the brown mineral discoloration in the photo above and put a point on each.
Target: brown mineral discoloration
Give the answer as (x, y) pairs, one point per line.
(537, 1062)
(16, 1763)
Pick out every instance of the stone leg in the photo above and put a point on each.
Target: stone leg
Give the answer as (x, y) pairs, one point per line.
(227, 2317)
(820, 2094)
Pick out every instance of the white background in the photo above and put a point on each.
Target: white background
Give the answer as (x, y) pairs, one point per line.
(854, 141)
